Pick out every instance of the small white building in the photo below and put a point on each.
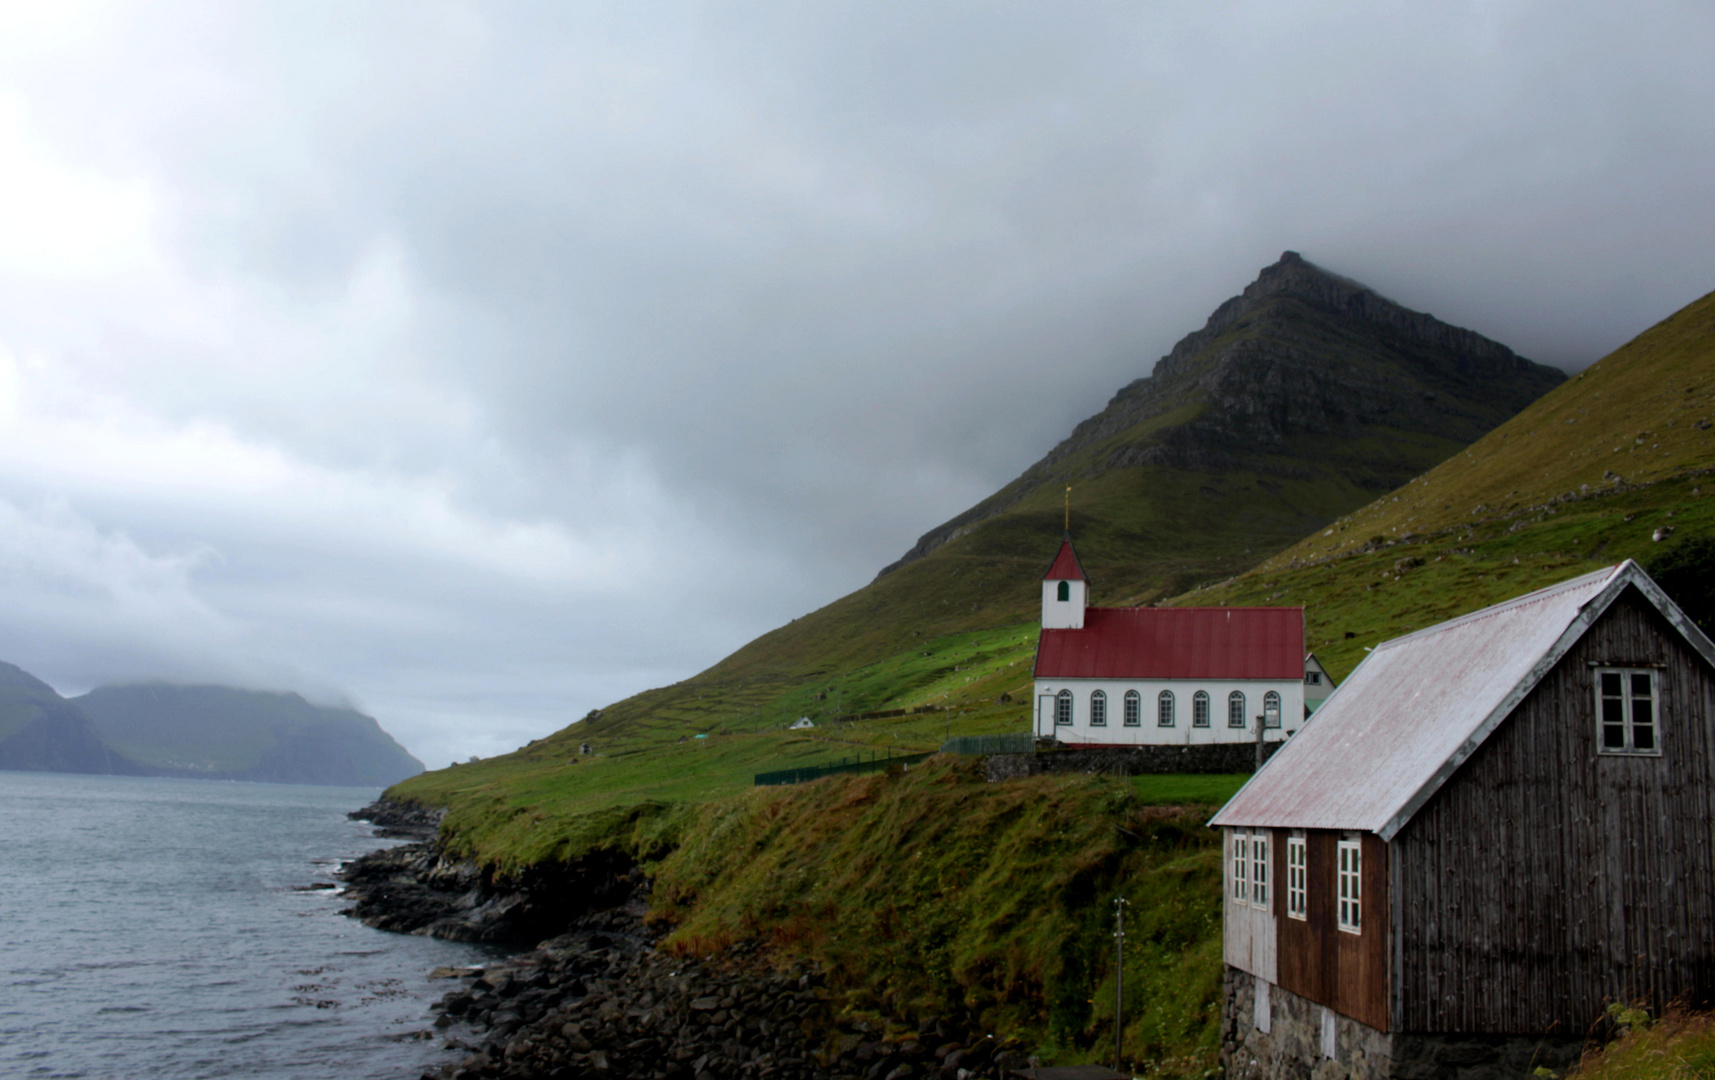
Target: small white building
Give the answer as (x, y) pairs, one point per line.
(1167, 676)
(801, 724)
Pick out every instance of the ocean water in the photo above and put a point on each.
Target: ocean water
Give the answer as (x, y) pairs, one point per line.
(152, 928)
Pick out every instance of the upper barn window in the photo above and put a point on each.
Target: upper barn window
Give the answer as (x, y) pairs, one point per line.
(1200, 709)
(1259, 869)
(1241, 866)
(1626, 712)
(1351, 886)
(1297, 896)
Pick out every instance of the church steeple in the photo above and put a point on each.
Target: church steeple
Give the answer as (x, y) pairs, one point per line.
(1065, 590)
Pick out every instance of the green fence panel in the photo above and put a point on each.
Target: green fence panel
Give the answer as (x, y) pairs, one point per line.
(990, 744)
(816, 772)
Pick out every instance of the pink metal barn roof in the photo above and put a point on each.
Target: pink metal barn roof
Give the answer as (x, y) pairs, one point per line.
(1066, 566)
(1177, 643)
(1419, 705)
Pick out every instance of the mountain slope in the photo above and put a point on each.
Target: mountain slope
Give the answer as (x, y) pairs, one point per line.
(1614, 464)
(1299, 400)
(220, 732)
(39, 730)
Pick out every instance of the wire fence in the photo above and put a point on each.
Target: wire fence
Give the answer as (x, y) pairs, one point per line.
(816, 772)
(990, 744)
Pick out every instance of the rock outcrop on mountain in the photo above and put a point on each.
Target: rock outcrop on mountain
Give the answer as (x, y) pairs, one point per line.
(1304, 376)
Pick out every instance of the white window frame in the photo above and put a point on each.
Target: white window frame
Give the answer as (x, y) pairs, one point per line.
(1240, 864)
(1098, 708)
(1349, 881)
(1166, 712)
(1133, 709)
(1200, 709)
(1236, 709)
(1627, 702)
(1297, 870)
(1259, 870)
(1272, 698)
(1063, 709)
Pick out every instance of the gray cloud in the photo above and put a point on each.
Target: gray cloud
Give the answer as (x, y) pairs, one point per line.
(491, 362)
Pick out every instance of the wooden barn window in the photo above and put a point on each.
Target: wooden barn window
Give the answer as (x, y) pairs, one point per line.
(1063, 709)
(1133, 708)
(1351, 874)
(1259, 870)
(1297, 896)
(1626, 712)
(1200, 709)
(1241, 866)
(1099, 709)
(1164, 709)
(1235, 709)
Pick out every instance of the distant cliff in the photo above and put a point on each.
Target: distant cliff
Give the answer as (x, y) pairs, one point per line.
(218, 732)
(194, 732)
(41, 731)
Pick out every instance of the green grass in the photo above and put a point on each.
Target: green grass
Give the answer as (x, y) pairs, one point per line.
(1681, 1046)
(1179, 789)
(934, 891)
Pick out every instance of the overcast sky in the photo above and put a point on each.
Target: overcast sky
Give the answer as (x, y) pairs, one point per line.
(481, 364)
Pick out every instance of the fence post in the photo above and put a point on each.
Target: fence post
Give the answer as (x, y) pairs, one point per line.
(1119, 978)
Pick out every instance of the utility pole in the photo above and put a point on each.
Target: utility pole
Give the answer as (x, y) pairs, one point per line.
(1119, 977)
(1261, 723)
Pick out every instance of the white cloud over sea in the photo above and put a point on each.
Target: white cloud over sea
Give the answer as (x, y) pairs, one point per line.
(484, 363)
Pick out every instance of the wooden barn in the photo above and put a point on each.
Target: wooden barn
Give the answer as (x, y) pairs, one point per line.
(1495, 827)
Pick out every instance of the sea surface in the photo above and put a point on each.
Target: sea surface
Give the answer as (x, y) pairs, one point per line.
(160, 928)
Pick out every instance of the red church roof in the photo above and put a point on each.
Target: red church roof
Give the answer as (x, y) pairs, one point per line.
(1177, 643)
(1066, 566)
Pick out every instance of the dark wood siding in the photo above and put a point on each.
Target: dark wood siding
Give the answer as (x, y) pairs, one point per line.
(1545, 880)
(1317, 960)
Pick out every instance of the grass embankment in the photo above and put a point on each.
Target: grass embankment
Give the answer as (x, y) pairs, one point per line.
(1680, 1046)
(932, 891)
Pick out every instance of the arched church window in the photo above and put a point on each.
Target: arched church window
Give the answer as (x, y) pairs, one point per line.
(1200, 709)
(1235, 709)
(1164, 709)
(1065, 590)
(1133, 708)
(1099, 709)
(1271, 709)
(1063, 709)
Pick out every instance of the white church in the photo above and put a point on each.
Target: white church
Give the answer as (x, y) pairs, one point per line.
(1167, 676)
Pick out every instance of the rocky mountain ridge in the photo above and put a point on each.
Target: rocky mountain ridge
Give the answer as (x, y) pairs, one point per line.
(1301, 352)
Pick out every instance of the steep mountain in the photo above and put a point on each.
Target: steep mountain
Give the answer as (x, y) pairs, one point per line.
(41, 731)
(1616, 463)
(1299, 400)
(219, 732)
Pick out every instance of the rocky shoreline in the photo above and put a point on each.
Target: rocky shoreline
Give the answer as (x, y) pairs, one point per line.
(595, 997)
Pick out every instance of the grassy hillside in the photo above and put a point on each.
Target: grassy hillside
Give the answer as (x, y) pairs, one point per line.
(1296, 403)
(1588, 476)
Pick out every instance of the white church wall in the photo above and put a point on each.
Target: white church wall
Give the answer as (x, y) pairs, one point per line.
(1149, 732)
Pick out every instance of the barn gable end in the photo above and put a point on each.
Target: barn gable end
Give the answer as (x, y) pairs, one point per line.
(1546, 879)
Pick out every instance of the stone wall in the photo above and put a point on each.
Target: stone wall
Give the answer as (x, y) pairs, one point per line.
(1131, 760)
(1292, 1048)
